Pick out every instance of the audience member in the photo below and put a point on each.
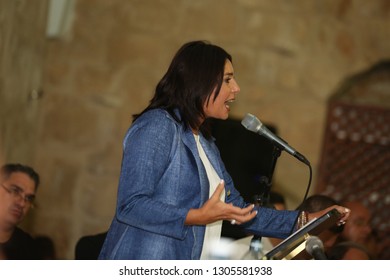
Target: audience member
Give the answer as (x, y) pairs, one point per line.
(357, 241)
(317, 203)
(18, 187)
(347, 250)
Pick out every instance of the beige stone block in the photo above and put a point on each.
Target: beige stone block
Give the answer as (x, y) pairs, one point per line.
(70, 120)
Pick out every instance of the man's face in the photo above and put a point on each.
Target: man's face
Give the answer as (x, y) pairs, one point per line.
(16, 192)
(357, 228)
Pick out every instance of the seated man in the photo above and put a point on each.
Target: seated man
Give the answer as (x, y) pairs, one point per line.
(18, 186)
(347, 250)
(317, 203)
(356, 241)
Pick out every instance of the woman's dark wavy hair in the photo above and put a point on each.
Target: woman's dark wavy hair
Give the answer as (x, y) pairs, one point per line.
(195, 72)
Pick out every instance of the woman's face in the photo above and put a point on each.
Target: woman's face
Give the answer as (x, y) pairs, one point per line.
(220, 107)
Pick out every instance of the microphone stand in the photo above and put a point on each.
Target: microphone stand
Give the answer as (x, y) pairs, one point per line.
(262, 200)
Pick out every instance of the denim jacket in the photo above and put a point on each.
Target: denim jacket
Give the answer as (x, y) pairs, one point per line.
(162, 178)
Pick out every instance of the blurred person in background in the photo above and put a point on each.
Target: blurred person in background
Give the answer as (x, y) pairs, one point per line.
(18, 187)
(357, 240)
(317, 203)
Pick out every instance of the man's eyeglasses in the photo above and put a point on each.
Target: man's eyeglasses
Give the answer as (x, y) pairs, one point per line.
(17, 192)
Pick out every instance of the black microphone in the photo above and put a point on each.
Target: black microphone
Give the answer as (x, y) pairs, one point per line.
(315, 248)
(253, 124)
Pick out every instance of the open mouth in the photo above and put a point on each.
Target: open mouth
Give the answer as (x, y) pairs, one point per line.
(228, 102)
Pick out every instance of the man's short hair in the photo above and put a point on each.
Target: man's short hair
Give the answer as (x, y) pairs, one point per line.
(9, 168)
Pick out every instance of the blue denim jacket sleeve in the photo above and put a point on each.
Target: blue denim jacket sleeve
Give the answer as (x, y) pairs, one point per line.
(143, 200)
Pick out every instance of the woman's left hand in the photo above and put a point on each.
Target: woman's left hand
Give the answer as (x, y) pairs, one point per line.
(345, 212)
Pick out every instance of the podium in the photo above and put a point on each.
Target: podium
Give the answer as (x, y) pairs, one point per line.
(293, 247)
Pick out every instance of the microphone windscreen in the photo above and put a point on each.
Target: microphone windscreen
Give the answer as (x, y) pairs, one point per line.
(251, 123)
(312, 243)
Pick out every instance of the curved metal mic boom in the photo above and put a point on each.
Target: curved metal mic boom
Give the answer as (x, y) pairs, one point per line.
(252, 123)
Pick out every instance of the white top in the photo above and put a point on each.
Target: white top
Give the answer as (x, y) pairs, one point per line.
(213, 230)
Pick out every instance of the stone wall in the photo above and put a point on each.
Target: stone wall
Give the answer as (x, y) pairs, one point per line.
(22, 50)
(288, 56)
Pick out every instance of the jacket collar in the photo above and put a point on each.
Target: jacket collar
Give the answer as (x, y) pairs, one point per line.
(189, 141)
